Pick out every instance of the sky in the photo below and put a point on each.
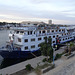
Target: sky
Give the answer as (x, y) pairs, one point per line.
(59, 11)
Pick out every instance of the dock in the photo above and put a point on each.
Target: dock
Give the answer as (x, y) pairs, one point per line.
(20, 66)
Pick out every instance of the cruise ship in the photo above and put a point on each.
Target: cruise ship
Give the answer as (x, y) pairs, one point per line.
(25, 40)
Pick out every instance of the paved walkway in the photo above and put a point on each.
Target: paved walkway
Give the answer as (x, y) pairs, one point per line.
(61, 49)
(66, 68)
(57, 63)
(21, 66)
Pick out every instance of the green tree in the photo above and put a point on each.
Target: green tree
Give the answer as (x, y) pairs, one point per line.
(70, 47)
(66, 50)
(46, 48)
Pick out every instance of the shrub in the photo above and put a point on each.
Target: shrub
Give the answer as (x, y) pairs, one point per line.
(58, 56)
(38, 71)
(49, 61)
(28, 67)
(44, 60)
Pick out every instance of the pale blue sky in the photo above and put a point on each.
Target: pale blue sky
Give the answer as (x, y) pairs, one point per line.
(60, 11)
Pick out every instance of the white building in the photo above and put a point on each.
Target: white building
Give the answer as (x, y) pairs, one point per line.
(50, 22)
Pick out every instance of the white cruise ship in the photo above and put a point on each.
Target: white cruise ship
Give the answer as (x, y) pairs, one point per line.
(26, 39)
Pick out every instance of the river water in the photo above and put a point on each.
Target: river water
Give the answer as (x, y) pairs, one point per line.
(6, 62)
(3, 37)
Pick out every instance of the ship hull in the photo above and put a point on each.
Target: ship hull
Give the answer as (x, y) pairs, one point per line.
(19, 54)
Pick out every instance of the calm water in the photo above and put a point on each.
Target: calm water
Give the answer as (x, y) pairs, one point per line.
(3, 37)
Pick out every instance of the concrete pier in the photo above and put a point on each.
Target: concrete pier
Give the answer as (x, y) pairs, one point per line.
(17, 67)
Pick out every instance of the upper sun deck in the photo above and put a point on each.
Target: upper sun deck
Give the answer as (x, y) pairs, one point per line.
(24, 28)
(37, 28)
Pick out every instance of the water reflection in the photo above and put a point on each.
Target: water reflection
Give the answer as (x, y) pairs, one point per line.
(9, 62)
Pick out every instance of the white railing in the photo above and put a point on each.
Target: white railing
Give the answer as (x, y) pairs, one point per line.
(43, 34)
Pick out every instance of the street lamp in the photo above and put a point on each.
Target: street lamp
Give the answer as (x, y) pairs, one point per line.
(54, 53)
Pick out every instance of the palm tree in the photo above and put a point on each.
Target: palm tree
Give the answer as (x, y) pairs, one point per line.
(66, 48)
(46, 48)
(70, 47)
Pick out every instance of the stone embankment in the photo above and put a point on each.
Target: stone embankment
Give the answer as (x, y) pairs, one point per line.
(66, 68)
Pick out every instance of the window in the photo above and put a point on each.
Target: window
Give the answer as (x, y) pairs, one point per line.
(30, 32)
(39, 39)
(34, 32)
(49, 36)
(17, 32)
(60, 39)
(26, 47)
(21, 31)
(43, 31)
(59, 30)
(62, 29)
(63, 39)
(39, 31)
(53, 36)
(45, 37)
(52, 30)
(62, 34)
(26, 40)
(57, 35)
(66, 38)
(19, 40)
(48, 31)
(38, 45)
(33, 46)
(53, 41)
(56, 30)
(33, 39)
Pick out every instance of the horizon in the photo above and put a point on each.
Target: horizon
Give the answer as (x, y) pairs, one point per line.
(59, 11)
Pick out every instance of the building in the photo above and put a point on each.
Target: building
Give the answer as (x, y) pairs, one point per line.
(50, 22)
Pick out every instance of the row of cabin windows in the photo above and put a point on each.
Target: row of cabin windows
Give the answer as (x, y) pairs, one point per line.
(48, 31)
(45, 37)
(66, 38)
(29, 32)
(33, 46)
(26, 40)
(66, 34)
